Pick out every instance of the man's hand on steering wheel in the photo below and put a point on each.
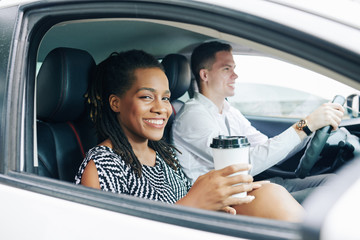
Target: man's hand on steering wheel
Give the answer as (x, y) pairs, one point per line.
(324, 119)
(328, 114)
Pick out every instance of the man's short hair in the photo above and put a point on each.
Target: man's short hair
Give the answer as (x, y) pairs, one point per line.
(203, 57)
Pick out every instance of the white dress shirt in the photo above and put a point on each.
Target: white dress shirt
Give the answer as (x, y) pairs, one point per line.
(199, 121)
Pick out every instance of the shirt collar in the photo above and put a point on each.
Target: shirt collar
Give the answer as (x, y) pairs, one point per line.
(208, 103)
(226, 107)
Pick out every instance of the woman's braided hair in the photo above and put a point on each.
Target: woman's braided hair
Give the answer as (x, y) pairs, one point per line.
(115, 75)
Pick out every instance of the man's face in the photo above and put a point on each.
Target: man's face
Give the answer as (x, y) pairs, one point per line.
(221, 78)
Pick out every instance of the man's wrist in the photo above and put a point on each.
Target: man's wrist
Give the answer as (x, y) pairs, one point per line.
(302, 126)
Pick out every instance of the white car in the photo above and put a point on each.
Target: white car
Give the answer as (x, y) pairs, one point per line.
(48, 49)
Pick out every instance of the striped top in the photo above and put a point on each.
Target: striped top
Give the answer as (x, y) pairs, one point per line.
(160, 182)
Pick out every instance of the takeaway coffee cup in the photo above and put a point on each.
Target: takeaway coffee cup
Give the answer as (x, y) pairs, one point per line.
(229, 150)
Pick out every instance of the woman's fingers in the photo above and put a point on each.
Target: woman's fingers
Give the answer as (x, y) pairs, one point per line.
(243, 187)
(231, 201)
(246, 187)
(258, 184)
(229, 210)
(234, 169)
(238, 182)
(214, 189)
(239, 178)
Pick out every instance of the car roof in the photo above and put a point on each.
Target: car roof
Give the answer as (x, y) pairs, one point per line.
(184, 38)
(344, 11)
(9, 3)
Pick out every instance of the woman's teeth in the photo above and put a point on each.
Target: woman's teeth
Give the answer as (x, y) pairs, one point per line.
(157, 122)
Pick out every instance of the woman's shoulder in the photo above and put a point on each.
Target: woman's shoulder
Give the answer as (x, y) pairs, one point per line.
(99, 151)
(104, 156)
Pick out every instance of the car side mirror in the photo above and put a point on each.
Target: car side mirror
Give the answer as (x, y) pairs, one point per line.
(352, 102)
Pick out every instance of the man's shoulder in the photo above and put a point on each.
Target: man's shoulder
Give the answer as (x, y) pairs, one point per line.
(191, 107)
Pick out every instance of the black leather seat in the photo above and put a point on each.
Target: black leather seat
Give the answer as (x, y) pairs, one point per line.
(177, 70)
(64, 129)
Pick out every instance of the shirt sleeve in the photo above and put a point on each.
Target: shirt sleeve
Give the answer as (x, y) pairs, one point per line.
(193, 131)
(264, 152)
(242, 127)
(266, 155)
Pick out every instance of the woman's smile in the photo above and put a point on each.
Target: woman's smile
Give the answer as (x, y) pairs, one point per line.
(156, 123)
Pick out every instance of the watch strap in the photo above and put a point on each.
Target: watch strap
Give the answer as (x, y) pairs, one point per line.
(302, 126)
(307, 130)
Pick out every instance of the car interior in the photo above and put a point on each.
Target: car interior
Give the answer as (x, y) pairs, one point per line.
(66, 58)
(64, 129)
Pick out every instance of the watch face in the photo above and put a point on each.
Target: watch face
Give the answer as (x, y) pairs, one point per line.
(301, 124)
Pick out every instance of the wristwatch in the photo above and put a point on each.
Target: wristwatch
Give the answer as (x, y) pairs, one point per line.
(302, 126)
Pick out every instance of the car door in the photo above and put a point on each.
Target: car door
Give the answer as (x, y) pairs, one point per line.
(7, 27)
(49, 208)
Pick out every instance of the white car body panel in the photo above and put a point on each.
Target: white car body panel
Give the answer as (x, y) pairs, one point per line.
(344, 209)
(311, 23)
(79, 221)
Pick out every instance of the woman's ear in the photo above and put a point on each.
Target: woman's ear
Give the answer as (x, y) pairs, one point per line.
(115, 103)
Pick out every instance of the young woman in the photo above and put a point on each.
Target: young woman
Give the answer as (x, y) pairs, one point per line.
(129, 99)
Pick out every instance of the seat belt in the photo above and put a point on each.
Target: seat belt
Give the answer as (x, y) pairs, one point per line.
(227, 125)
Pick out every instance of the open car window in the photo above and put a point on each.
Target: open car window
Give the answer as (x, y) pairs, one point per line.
(77, 34)
(269, 87)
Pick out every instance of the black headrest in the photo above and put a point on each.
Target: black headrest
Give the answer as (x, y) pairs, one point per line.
(177, 70)
(61, 84)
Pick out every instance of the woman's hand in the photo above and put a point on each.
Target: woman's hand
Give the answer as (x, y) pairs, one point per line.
(327, 114)
(213, 190)
(255, 185)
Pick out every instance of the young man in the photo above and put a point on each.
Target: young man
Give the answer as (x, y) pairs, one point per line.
(209, 115)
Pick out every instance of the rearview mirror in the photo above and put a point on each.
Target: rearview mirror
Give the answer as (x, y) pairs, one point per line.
(352, 102)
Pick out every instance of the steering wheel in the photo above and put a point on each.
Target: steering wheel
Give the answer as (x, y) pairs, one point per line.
(315, 146)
